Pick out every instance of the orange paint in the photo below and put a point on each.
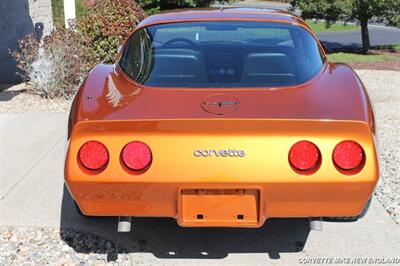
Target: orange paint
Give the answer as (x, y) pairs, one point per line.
(330, 108)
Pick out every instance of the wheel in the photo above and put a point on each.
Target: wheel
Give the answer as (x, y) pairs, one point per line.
(78, 210)
(351, 218)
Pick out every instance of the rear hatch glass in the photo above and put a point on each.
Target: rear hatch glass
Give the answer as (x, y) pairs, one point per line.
(222, 55)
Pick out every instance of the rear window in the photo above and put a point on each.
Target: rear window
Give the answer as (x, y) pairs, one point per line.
(221, 55)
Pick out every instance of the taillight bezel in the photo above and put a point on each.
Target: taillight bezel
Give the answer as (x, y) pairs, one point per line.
(86, 168)
(349, 171)
(308, 171)
(127, 167)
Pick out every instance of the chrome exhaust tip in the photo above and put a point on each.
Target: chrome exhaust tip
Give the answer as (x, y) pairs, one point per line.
(124, 224)
(316, 223)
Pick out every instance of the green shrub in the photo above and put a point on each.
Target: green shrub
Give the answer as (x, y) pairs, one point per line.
(26, 55)
(107, 25)
(56, 67)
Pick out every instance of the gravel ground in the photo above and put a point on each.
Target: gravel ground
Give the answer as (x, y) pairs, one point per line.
(39, 246)
(15, 100)
(384, 91)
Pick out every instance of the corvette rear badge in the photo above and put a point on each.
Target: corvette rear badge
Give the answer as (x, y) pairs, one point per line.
(219, 153)
(220, 104)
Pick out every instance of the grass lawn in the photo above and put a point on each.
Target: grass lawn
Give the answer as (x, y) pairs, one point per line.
(360, 58)
(58, 10)
(377, 54)
(320, 27)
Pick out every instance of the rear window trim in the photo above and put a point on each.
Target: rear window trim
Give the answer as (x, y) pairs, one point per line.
(118, 69)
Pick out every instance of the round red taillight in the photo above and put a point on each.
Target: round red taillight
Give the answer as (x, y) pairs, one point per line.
(348, 155)
(93, 155)
(304, 155)
(136, 155)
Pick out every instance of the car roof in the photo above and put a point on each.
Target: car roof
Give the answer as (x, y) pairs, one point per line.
(223, 13)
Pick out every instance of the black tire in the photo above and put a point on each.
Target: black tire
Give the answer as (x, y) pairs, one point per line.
(351, 218)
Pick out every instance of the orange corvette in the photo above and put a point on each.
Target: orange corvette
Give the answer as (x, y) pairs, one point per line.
(223, 118)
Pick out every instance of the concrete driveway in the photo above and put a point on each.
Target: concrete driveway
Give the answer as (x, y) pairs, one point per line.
(32, 194)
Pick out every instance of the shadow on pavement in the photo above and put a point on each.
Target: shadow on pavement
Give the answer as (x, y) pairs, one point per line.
(5, 86)
(165, 239)
(7, 95)
(340, 47)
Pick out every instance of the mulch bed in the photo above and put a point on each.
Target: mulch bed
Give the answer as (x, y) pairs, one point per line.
(385, 65)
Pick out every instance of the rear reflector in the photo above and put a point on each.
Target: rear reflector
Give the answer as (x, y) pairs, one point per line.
(348, 155)
(93, 155)
(136, 155)
(304, 155)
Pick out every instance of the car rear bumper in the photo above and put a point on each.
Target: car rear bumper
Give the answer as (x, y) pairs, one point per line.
(222, 204)
(272, 188)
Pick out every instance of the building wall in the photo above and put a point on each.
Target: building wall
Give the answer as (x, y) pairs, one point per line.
(17, 19)
(42, 15)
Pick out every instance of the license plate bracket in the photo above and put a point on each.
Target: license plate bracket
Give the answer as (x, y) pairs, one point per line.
(219, 207)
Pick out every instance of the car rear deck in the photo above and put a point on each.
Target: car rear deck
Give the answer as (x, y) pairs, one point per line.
(221, 190)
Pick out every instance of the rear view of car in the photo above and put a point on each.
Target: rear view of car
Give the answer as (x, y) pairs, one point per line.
(222, 118)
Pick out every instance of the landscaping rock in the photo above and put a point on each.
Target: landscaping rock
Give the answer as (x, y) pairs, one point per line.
(41, 246)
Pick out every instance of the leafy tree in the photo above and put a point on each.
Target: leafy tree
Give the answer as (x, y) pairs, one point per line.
(152, 6)
(149, 6)
(387, 11)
